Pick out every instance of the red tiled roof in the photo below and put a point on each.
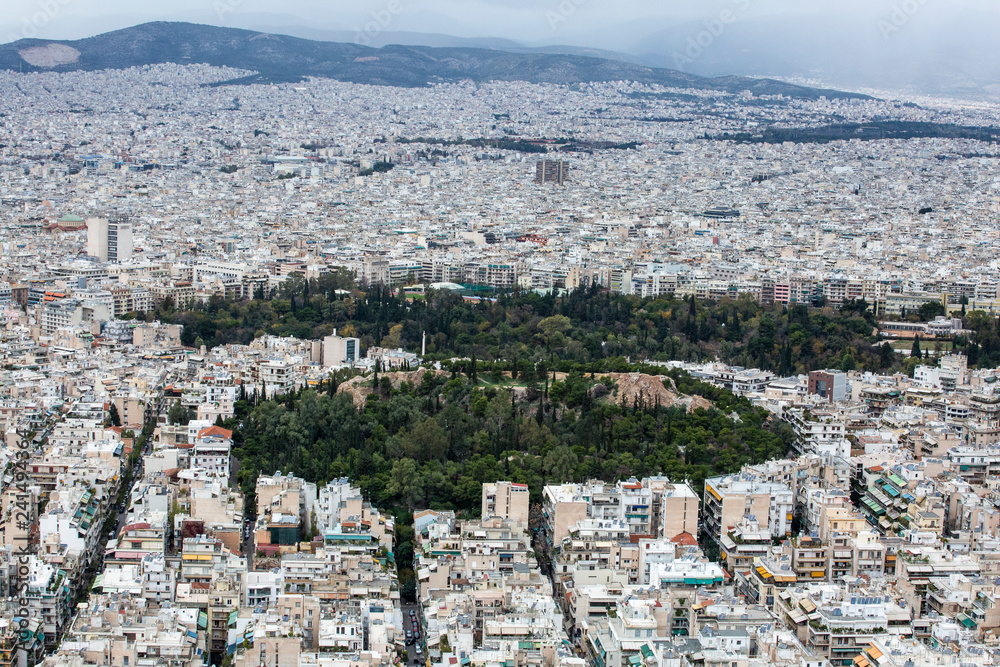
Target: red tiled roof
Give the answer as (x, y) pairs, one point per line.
(139, 525)
(215, 430)
(685, 538)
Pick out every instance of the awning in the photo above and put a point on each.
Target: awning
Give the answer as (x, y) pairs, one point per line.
(966, 621)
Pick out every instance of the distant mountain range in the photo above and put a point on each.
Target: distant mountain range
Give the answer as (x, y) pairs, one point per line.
(281, 58)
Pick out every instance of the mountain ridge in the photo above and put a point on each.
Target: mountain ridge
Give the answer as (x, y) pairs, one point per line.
(281, 58)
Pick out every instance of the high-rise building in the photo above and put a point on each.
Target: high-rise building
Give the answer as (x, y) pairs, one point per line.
(505, 500)
(831, 385)
(729, 498)
(340, 351)
(109, 240)
(551, 171)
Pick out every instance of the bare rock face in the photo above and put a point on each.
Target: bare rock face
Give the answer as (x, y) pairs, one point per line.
(50, 55)
(651, 389)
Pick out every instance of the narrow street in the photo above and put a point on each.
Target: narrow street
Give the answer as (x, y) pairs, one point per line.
(408, 626)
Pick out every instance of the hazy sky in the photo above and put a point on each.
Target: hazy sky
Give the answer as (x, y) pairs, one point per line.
(600, 23)
(849, 42)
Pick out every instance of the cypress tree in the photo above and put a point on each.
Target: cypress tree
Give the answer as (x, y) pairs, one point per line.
(113, 417)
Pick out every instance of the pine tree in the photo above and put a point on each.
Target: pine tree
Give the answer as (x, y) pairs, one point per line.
(915, 350)
(886, 356)
(177, 414)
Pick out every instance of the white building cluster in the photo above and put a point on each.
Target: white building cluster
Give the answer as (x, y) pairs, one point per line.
(874, 544)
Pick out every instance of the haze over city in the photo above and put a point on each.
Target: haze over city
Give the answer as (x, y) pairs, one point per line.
(921, 46)
(426, 333)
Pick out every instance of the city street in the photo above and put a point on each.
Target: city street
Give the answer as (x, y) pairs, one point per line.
(411, 656)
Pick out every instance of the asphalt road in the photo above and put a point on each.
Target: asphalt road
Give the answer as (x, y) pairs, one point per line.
(248, 545)
(411, 657)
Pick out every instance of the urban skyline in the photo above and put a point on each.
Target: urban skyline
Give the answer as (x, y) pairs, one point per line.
(578, 372)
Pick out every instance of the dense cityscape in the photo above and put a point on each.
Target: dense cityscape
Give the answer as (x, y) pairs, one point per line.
(495, 374)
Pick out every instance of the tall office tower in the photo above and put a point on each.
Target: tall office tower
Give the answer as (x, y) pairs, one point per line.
(109, 240)
(551, 171)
